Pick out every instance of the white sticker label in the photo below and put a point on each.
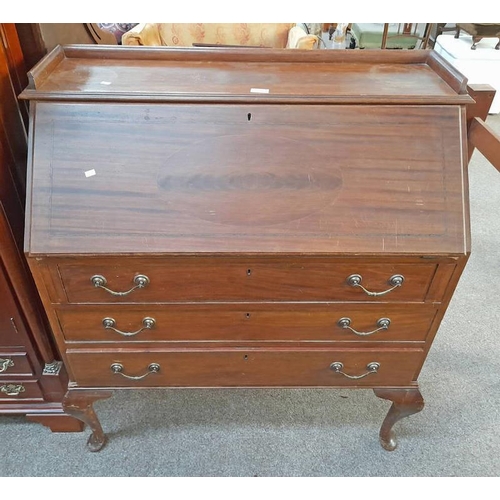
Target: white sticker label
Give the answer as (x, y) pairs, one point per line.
(105, 83)
(90, 173)
(260, 91)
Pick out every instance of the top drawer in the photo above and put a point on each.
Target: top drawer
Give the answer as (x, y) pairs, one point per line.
(208, 279)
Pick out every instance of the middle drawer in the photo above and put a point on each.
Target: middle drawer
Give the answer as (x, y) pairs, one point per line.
(243, 280)
(246, 322)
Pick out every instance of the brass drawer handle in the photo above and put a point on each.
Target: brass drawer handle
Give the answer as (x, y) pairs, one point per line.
(395, 281)
(12, 389)
(99, 281)
(5, 363)
(382, 323)
(118, 368)
(371, 367)
(110, 323)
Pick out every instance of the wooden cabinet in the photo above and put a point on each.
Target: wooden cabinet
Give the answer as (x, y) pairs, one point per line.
(246, 218)
(32, 379)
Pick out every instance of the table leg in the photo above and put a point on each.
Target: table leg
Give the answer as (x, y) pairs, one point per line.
(79, 404)
(405, 402)
(475, 40)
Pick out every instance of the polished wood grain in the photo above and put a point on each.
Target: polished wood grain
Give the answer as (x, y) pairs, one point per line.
(483, 96)
(79, 404)
(19, 366)
(32, 44)
(448, 73)
(12, 127)
(251, 367)
(396, 186)
(486, 140)
(248, 213)
(12, 329)
(246, 323)
(22, 322)
(450, 290)
(228, 75)
(31, 392)
(15, 60)
(57, 423)
(242, 279)
(405, 402)
(25, 339)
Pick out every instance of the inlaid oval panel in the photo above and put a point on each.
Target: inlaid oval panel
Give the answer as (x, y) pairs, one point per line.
(253, 179)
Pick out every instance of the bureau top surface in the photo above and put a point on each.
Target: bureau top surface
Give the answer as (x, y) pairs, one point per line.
(123, 162)
(163, 74)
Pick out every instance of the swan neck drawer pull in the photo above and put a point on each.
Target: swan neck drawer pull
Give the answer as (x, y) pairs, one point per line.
(99, 281)
(372, 367)
(12, 389)
(5, 363)
(382, 323)
(118, 369)
(110, 324)
(395, 281)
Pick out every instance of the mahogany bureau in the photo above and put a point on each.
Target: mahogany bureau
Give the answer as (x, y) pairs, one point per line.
(246, 218)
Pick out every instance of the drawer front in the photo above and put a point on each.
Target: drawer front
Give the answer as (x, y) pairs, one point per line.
(19, 390)
(14, 364)
(12, 331)
(11, 325)
(213, 279)
(249, 322)
(244, 367)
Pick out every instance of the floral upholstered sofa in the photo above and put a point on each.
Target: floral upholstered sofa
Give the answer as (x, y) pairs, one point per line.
(277, 35)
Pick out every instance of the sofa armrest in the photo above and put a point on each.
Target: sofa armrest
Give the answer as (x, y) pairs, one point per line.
(143, 34)
(299, 39)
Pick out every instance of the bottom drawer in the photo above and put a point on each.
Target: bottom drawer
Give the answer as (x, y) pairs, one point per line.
(17, 391)
(245, 367)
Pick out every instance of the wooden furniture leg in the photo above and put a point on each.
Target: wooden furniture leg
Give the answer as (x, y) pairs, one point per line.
(78, 403)
(405, 402)
(478, 34)
(475, 40)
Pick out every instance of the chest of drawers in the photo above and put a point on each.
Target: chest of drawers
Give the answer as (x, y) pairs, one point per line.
(246, 218)
(33, 381)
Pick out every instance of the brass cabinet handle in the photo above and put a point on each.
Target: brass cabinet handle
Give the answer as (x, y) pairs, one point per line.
(118, 368)
(5, 363)
(382, 323)
(99, 281)
(110, 323)
(12, 389)
(395, 281)
(372, 367)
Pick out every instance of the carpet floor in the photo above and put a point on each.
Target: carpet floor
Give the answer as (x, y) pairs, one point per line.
(302, 432)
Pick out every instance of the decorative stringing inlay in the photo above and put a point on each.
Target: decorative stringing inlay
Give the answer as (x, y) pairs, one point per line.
(258, 183)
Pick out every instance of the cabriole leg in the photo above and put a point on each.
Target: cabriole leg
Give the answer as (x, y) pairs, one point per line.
(475, 41)
(405, 402)
(79, 404)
